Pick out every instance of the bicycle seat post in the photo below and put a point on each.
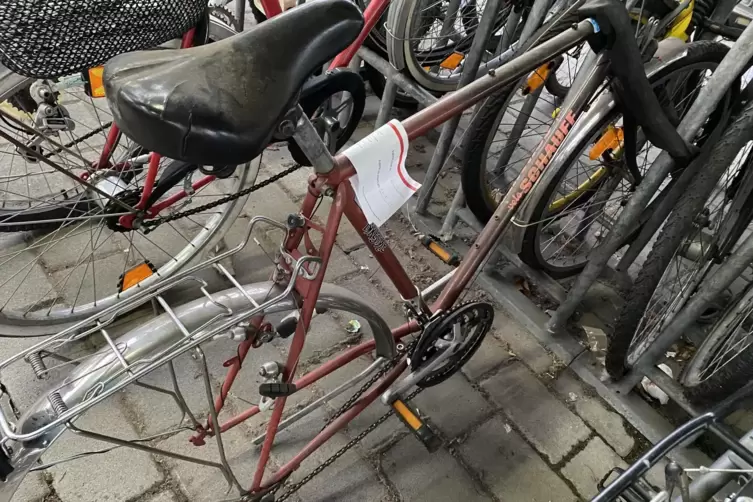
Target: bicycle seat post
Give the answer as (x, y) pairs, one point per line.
(311, 144)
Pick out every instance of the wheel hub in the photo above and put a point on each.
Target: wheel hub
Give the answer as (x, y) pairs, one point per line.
(119, 222)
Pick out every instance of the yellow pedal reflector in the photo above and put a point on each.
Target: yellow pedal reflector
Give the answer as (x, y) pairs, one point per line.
(537, 78)
(135, 275)
(420, 429)
(452, 61)
(407, 415)
(556, 112)
(434, 245)
(612, 139)
(94, 86)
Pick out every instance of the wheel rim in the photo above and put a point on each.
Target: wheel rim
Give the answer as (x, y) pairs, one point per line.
(590, 196)
(500, 173)
(689, 265)
(436, 44)
(68, 272)
(720, 349)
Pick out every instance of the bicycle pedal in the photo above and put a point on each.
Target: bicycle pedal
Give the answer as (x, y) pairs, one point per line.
(275, 389)
(412, 419)
(435, 245)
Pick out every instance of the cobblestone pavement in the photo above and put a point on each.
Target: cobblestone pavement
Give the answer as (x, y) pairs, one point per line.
(516, 424)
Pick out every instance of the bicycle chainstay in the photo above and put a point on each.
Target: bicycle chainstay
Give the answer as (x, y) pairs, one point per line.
(291, 489)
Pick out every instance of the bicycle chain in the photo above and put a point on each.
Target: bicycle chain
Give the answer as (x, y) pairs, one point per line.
(350, 402)
(76, 141)
(150, 225)
(345, 407)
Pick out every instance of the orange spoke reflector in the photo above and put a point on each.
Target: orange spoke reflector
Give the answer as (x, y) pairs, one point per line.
(537, 78)
(95, 87)
(135, 275)
(452, 61)
(612, 139)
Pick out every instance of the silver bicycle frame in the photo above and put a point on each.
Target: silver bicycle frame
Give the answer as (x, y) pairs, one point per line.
(720, 81)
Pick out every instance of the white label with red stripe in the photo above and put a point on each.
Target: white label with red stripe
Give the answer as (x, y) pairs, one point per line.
(382, 184)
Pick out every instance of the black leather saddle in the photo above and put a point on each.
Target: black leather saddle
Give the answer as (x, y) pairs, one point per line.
(219, 104)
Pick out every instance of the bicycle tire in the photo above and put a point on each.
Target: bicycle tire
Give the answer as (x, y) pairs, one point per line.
(486, 118)
(433, 56)
(22, 324)
(733, 375)
(482, 131)
(670, 237)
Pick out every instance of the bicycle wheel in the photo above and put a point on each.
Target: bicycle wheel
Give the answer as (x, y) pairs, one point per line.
(438, 35)
(682, 254)
(64, 255)
(724, 361)
(585, 197)
(171, 400)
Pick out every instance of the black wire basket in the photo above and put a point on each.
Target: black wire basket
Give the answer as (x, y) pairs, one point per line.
(53, 38)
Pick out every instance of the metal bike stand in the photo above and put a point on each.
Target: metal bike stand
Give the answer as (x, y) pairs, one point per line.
(394, 80)
(698, 303)
(702, 107)
(468, 75)
(534, 19)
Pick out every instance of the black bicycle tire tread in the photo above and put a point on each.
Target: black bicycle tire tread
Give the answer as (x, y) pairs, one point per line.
(670, 237)
(485, 116)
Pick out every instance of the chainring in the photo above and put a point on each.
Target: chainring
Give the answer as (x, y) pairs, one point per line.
(476, 319)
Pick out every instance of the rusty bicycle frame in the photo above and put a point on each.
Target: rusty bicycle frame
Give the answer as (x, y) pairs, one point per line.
(331, 178)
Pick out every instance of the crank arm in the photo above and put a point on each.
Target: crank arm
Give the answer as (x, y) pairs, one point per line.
(414, 377)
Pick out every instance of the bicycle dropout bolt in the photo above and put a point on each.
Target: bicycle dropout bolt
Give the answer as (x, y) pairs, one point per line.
(269, 369)
(287, 128)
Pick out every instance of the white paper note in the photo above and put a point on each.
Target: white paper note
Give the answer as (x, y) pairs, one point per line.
(382, 184)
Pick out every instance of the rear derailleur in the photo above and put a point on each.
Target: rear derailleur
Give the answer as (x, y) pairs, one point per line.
(49, 117)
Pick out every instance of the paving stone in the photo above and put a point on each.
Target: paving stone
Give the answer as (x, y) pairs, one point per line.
(124, 471)
(590, 465)
(347, 237)
(158, 412)
(420, 475)
(339, 377)
(490, 355)
(163, 497)
(84, 284)
(381, 301)
(33, 488)
(271, 201)
(454, 406)
(384, 432)
(202, 483)
(24, 283)
(349, 478)
(522, 343)
(607, 423)
(339, 265)
(76, 244)
(544, 421)
(510, 467)
(277, 158)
